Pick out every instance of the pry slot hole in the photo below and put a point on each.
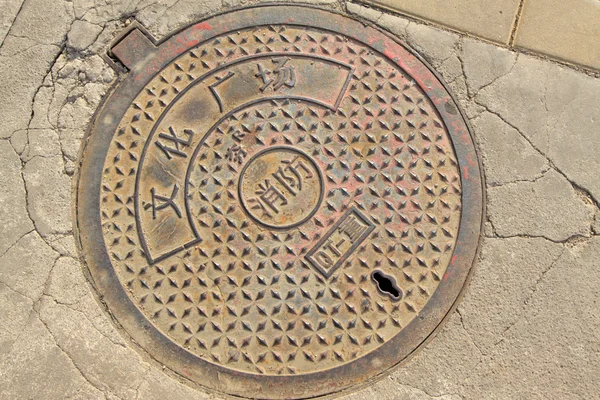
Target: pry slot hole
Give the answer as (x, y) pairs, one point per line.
(387, 285)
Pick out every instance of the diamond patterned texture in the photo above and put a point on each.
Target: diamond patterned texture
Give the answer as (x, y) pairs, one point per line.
(245, 297)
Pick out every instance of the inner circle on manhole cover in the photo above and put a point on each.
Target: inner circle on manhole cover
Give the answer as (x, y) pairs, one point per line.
(278, 202)
(279, 187)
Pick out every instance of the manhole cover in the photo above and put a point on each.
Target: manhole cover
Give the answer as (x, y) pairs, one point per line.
(278, 202)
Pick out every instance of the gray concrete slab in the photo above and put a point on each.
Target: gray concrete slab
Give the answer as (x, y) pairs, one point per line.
(568, 31)
(492, 20)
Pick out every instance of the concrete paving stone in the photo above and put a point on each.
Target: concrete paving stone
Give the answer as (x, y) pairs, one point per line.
(440, 49)
(440, 45)
(88, 392)
(565, 30)
(82, 34)
(504, 280)
(519, 97)
(64, 245)
(485, 63)
(547, 207)
(163, 17)
(100, 11)
(67, 102)
(492, 20)
(14, 222)
(555, 108)
(89, 306)
(108, 366)
(488, 229)
(390, 389)
(10, 9)
(41, 143)
(451, 70)
(444, 364)
(26, 265)
(37, 368)
(359, 11)
(175, 14)
(14, 313)
(572, 100)
(46, 22)
(596, 225)
(553, 351)
(67, 286)
(48, 195)
(109, 31)
(18, 141)
(458, 87)
(81, 8)
(392, 23)
(76, 114)
(41, 117)
(22, 70)
(507, 156)
(156, 387)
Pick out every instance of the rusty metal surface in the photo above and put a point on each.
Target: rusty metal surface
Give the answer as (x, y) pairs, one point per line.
(278, 202)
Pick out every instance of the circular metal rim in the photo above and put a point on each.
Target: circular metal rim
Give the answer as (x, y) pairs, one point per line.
(295, 224)
(152, 342)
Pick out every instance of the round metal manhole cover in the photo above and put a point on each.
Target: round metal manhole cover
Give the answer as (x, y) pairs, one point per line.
(278, 202)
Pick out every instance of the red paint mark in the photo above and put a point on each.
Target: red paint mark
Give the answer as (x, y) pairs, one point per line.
(290, 20)
(466, 172)
(203, 26)
(470, 160)
(173, 48)
(390, 55)
(446, 275)
(465, 138)
(454, 258)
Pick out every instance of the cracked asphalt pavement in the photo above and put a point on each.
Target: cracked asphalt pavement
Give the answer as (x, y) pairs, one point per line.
(528, 326)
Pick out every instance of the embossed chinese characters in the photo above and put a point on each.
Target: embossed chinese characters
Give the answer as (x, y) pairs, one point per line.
(339, 243)
(277, 200)
(281, 187)
(165, 160)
